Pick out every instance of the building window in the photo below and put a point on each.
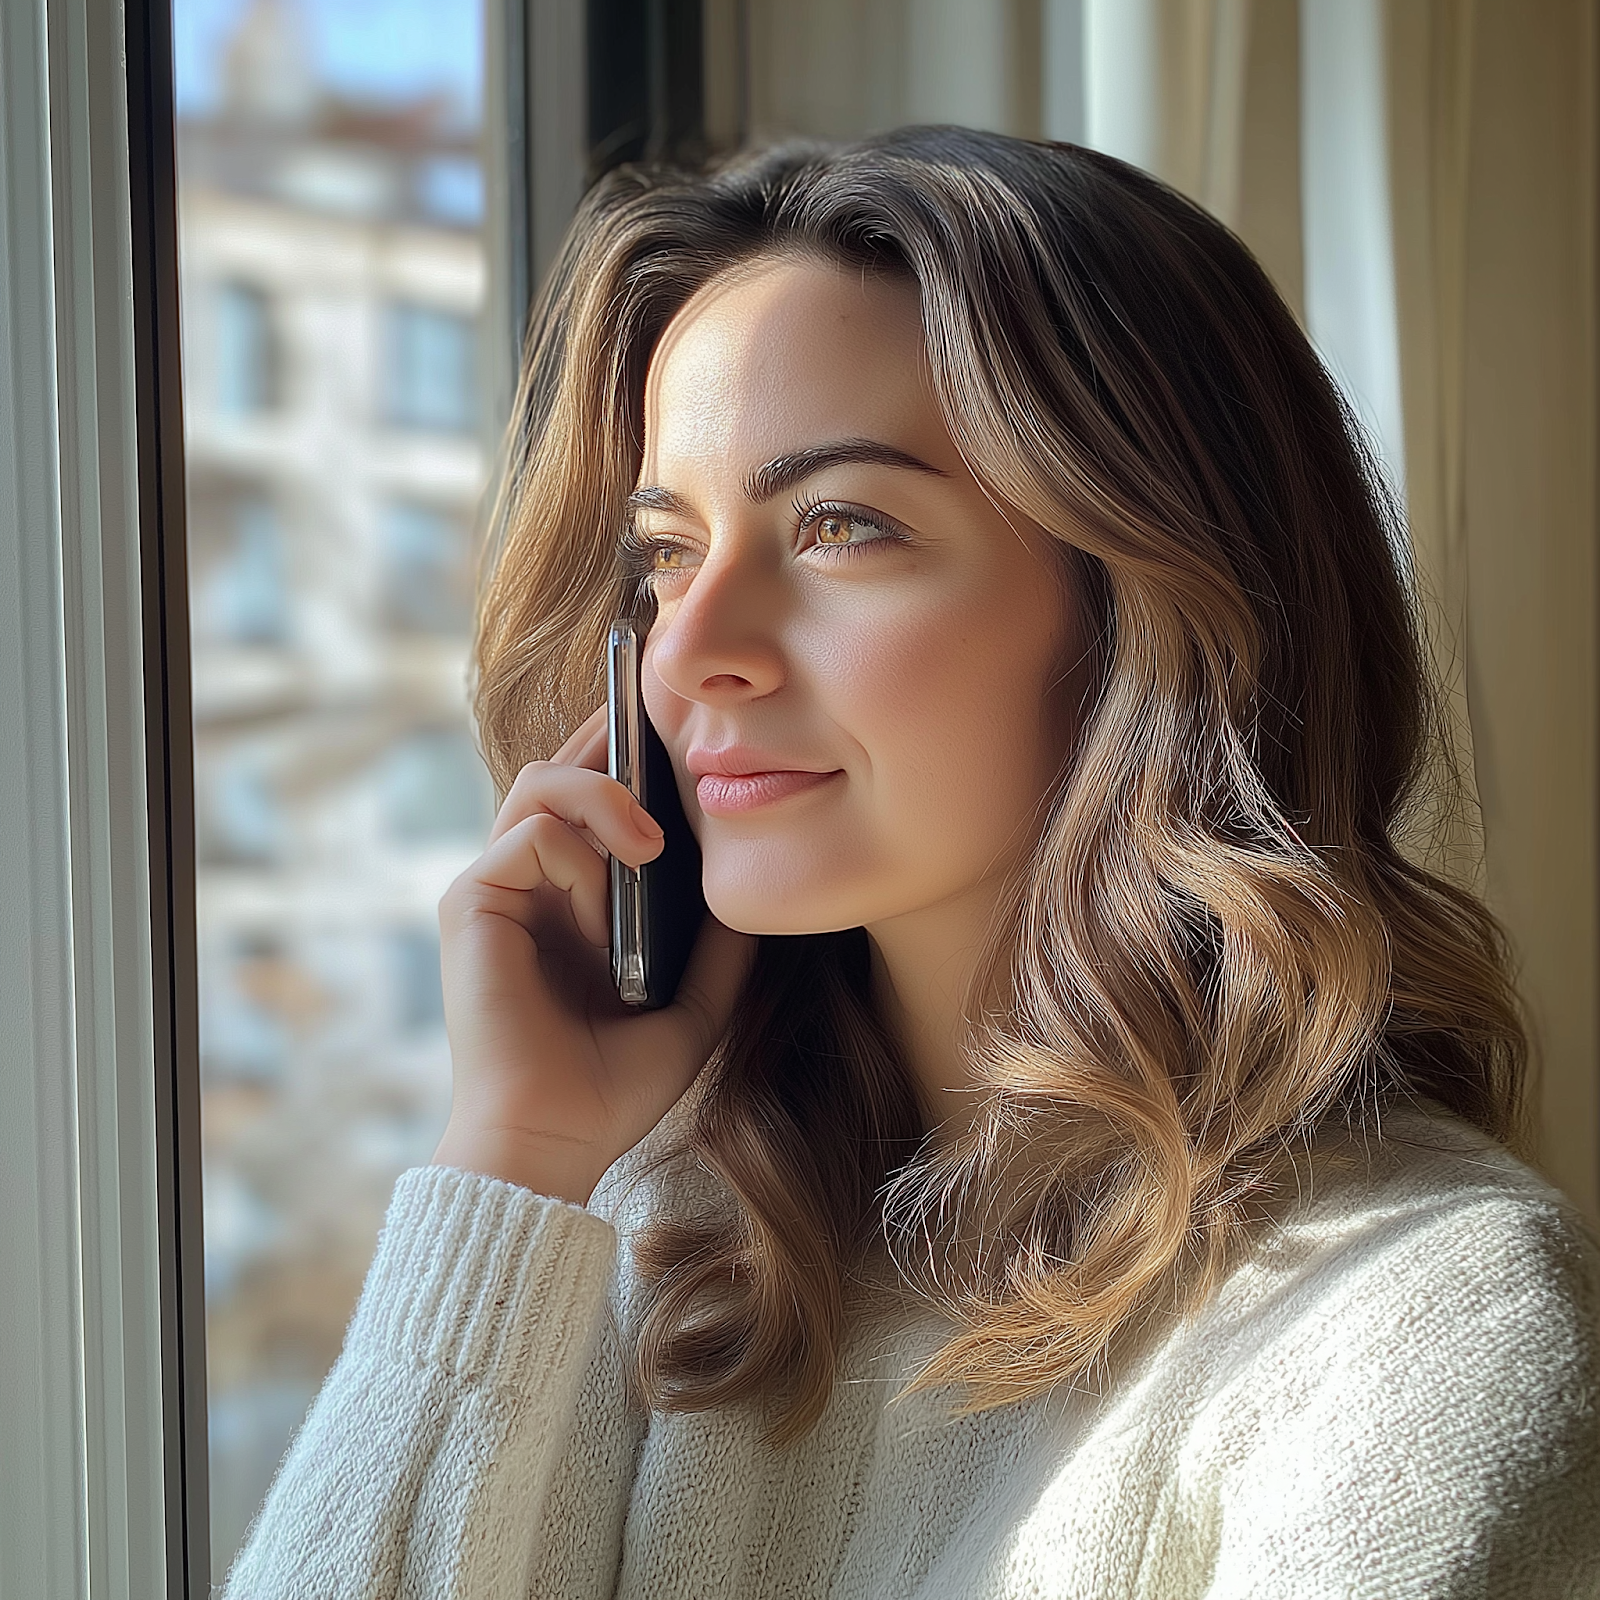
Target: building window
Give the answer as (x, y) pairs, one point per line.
(450, 189)
(435, 790)
(430, 380)
(245, 1036)
(239, 820)
(242, 595)
(247, 352)
(424, 570)
(418, 990)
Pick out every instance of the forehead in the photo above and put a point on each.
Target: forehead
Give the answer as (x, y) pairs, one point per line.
(781, 353)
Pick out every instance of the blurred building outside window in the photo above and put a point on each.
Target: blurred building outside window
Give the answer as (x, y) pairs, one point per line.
(331, 215)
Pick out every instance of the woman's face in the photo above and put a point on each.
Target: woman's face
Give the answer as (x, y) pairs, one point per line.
(854, 652)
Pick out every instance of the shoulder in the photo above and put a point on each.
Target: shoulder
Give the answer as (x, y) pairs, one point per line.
(1409, 1367)
(1424, 1233)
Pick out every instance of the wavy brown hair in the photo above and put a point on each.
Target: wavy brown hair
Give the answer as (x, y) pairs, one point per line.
(1225, 934)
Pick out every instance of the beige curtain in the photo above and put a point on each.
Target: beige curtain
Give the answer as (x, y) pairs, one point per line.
(1229, 122)
(1429, 49)
(842, 68)
(1493, 168)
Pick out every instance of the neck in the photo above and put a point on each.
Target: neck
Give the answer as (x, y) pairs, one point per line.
(923, 966)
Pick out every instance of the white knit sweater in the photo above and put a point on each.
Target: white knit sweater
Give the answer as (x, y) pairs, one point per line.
(1395, 1396)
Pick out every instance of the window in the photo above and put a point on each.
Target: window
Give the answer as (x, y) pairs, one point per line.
(246, 350)
(242, 592)
(419, 994)
(254, 1000)
(426, 573)
(430, 371)
(450, 190)
(434, 789)
(335, 204)
(240, 819)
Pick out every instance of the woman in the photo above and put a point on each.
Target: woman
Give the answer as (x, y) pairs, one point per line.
(1073, 1164)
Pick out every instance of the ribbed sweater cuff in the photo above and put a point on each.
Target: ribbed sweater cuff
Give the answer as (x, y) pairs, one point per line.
(481, 1278)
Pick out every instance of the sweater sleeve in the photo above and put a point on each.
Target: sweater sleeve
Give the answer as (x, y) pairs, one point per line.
(476, 1353)
(1433, 1430)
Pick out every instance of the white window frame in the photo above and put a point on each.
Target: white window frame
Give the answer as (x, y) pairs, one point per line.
(102, 1321)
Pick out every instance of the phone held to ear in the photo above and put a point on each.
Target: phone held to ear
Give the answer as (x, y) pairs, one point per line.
(656, 909)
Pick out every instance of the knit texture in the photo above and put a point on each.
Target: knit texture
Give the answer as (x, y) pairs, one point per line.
(1395, 1395)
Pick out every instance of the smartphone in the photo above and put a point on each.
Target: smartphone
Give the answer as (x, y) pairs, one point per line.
(656, 909)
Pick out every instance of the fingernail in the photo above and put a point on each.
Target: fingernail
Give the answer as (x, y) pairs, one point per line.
(644, 822)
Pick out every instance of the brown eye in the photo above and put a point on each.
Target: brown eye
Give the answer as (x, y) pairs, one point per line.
(834, 530)
(850, 528)
(667, 558)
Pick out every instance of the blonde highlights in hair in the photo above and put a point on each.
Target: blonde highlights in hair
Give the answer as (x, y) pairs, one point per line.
(1219, 940)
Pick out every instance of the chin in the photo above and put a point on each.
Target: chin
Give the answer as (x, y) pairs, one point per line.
(745, 915)
(777, 903)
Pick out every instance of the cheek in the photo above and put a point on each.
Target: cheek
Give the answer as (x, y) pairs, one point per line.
(947, 707)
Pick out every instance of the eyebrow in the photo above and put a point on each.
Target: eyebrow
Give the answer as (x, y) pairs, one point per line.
(785, 471)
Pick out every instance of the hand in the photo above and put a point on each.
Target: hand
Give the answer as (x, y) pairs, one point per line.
(553, 1078)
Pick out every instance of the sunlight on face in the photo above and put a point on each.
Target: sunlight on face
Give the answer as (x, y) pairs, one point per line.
(853, 648)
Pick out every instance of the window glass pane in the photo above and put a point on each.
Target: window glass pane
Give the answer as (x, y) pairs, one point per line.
(332, 213)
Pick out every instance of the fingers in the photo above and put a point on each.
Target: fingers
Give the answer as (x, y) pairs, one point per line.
(585, 800)
(541, 850)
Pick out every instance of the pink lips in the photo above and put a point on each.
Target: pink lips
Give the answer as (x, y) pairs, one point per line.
(723, 794)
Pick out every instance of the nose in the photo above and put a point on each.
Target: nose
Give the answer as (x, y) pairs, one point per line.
(718, 642)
